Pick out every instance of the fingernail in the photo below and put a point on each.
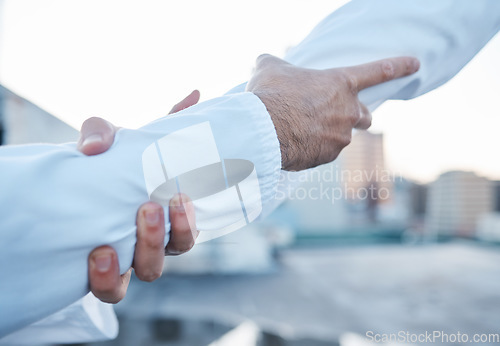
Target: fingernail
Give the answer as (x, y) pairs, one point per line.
(95, 138)
(102, 263)
(176, 203)
(416, 65)
(152, 216)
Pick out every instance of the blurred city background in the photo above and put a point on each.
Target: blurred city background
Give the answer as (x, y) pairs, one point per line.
(400, 233)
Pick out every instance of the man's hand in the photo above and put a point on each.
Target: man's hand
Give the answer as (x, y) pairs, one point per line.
(314, 111)
(104, 274)
(106, 283)
(97, 134)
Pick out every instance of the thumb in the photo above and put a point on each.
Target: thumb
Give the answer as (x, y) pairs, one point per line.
(96, 136)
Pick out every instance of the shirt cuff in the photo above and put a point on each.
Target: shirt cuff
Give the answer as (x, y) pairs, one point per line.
(271, 153)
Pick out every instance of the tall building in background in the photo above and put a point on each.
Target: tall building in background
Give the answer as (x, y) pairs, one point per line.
(456, 201)
(367, 184)
(363, 165)
(418, 200)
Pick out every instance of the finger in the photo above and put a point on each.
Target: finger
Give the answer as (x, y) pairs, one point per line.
(149, 250)
(96, 136)
(268, 60)
(104, 275)
(183, 231)
(188, 101)
(365, 121)
(373, 73)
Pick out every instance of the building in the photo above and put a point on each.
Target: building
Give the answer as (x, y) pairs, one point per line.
(368, 186)
(497, 196)
(363, 166)
(353, 193)
(23, 122)
(488, 228)
(316, 204)
(456, 201)
(418, 200)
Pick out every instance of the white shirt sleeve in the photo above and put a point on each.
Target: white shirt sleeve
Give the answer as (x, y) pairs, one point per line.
(87, 320)
(58, 204)
(444, 35)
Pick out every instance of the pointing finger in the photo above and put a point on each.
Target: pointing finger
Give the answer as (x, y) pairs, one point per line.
(373, 73)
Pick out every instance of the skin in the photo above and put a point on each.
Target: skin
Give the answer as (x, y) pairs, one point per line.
(314, 113)
(106, 283)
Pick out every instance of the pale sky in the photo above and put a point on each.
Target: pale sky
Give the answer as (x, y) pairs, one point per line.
(130, 61)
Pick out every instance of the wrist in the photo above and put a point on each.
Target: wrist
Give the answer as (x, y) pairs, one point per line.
(279, 123)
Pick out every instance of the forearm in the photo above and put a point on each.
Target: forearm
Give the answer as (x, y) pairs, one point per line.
(58, 205)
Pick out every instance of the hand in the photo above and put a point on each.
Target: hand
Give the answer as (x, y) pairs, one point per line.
(104, 274)
(97, 135)
(314, 111)
(106, 283)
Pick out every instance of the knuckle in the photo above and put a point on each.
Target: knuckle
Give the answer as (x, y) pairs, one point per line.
(185, 248)
(263, 59)
(109, 295)
(349, 80)
(183, 233)
(346, 140)
(387, 69)
(410, 66)
(343, 140)
(365, 121)
(354, 118)
(116, 298)
(149, 275)
(189, 246)
(152, 238)
(179, 249)
(352, 82)
(334, 154)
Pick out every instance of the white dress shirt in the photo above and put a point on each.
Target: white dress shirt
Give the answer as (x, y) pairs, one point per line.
(51, 238)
